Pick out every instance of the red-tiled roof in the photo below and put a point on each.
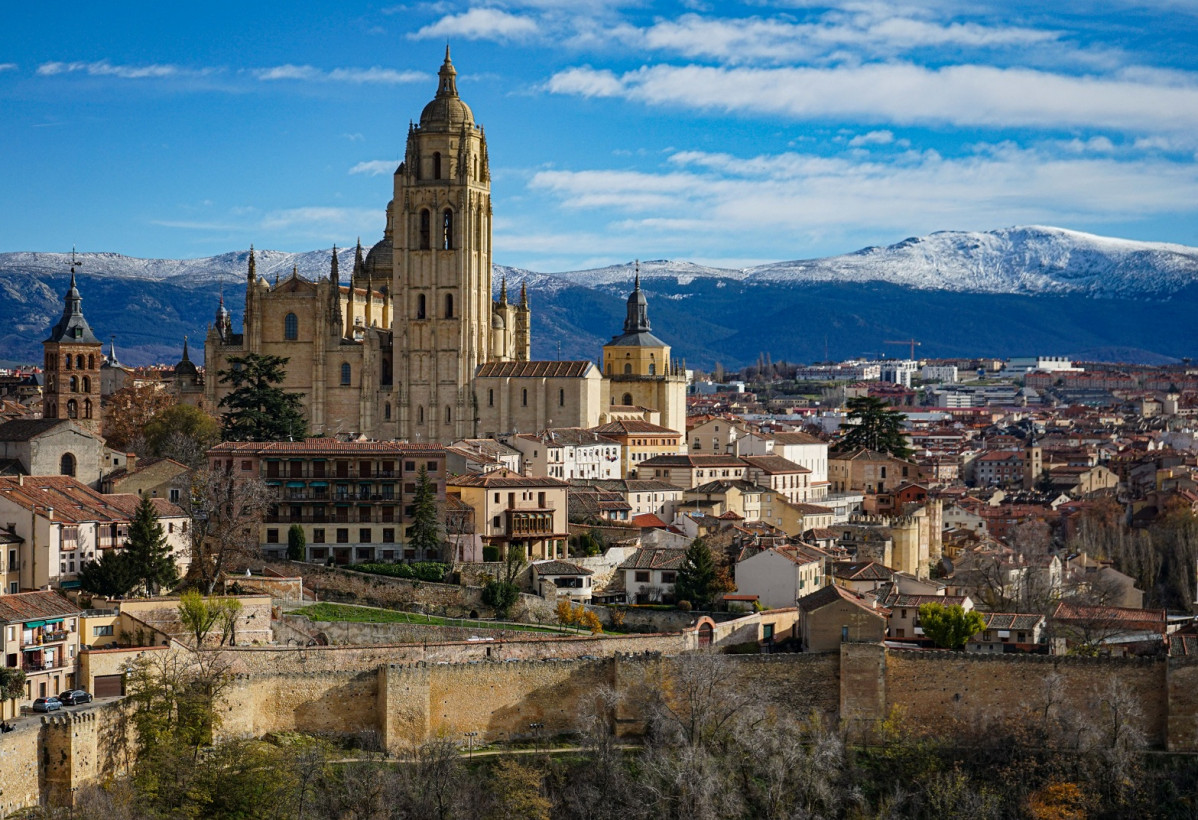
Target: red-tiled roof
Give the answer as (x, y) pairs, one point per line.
(621, 427)
(648, 521)
(529, 370)
(773, 464)
(504, 478)
(34, 606)
(655, 558)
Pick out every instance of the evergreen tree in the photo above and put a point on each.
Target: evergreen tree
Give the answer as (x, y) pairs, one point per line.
(874, 425)
(112, 576)
(425, 531)
(149, 554)
(259, 410)
(296, 543)
(950, 626)
(698, 578)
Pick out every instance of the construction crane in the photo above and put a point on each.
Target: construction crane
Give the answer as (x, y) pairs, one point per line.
(914, 344)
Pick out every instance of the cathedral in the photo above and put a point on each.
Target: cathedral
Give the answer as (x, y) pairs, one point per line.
(416, 347)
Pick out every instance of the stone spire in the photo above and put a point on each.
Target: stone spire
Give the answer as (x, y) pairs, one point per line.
(335, 295)
(359, 264)
(637, 319)
(252, 269)
(185, 358)
(524, 294)
(112, 352)
(502, 291)
(72, 327)
(448, 86)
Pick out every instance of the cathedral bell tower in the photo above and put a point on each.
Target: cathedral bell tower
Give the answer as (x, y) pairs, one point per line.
(441, 228)
(72, 360)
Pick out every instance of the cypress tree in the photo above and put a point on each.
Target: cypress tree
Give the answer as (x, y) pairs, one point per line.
(296, 541)
(425, 531)
(697, 580)
(148, 552)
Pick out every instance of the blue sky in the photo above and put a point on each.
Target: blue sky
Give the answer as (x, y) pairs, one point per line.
(722, 133)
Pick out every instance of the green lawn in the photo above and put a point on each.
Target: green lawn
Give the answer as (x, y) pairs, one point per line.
(369, 615)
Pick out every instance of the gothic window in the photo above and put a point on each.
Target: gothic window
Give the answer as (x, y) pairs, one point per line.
(87, 384)
(447, 230)
(628, 400)
(387, 411)
(524, 397)
(652, 369)
(476, 176)
(345, 373)
(436, 165)
(68, 361)
(87, 408)
(74, 384)
(425, 227)
(72, 409)
(449, 306)
(290, 327)
(91, 362)
(627, 369)
(66, 465)
(420, 414)
(79, 362)
(420, 306)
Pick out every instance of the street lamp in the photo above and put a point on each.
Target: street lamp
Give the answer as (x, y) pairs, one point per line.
(470, 736)
(536, 733)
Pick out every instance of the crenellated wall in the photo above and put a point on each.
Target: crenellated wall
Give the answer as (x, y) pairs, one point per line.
(356, 690)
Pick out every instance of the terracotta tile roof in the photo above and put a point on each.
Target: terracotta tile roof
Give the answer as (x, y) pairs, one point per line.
(773, 464)
(73, 501)
(797, 438)
(504, 478)
(1011, 620)
(692, 461)
(532, 370)
(648, 521)
(655, 558)
(34, 606)
(25, 429)
(832, 594)
(862, 571)
(621, 427)
(1149, 620)
(560, 568)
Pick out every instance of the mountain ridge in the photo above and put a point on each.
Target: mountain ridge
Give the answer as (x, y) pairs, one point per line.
(1055, 290)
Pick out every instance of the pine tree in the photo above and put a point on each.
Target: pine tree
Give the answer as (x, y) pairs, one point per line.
(148, 551)
(296, 541)
(697, 580)
(112, 576)
(259, 410)
(425, 531)
(874, 425)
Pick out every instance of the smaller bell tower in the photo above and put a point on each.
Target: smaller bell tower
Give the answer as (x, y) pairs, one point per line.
(72, 365)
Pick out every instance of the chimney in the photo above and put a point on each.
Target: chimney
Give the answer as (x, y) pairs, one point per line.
(20, 479)
(130, 461)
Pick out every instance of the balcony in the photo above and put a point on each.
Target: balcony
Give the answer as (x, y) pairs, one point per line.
(529, 523)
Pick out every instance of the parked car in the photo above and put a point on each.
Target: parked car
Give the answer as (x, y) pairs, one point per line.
(73, 697)
(47, 704)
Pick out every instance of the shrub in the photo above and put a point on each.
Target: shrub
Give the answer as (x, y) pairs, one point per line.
(420, 571)
(491, 554)
(685, 606)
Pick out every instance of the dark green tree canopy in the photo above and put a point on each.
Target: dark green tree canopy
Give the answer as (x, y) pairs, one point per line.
(296, 542)
(111, 576)
(149, 553)
(874, 425)
(949, 626)
(257, 409)
(424, 533)
(698, 577)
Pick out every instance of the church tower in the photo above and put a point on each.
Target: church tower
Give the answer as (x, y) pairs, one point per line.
(73, 359)
(441, 295)
(639, 371)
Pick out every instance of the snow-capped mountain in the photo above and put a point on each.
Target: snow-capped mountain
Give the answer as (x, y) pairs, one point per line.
(1006, 292)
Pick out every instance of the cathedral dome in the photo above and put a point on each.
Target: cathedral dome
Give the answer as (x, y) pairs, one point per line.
(380, 259)
(497, 322)
(446, 111)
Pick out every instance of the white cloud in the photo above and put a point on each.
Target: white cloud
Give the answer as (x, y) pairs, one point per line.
(702, 198)
(872, 138)
(387, 76)
(8, 66)
(480, 24)
(903, 93)
(103, 68)
(375, 167)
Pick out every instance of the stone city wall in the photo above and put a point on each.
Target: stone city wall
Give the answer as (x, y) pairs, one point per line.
(405, 696)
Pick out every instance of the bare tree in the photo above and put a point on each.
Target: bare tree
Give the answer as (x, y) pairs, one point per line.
(226, 512)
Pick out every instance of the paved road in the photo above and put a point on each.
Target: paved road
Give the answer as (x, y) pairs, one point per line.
(36, 717)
